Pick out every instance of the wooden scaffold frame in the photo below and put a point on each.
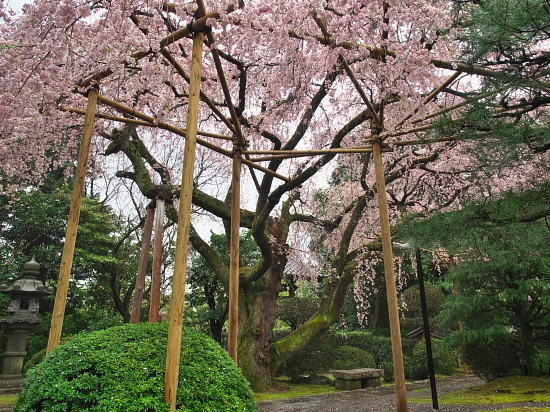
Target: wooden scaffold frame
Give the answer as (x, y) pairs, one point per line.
(376, 143)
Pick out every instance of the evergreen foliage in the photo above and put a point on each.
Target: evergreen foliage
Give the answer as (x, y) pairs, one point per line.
(434, 300)
(208, 296)
(503, 276)
(491, 354)
(335, 350)
(417, 364)
(296, 311)
(122, 369)
(509, 123)
(504, 27)
(350, 357)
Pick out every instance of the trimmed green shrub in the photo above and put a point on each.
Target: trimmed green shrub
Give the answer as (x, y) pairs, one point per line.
(317, 357)
(350, 357)
(320, 354)
(542, 362)
(491, 357)
(416, 367)
(296, 311)
(121, 369)
(39, 356)
(378, 346)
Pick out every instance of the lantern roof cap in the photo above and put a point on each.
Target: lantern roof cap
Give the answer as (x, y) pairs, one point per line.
(28, 283)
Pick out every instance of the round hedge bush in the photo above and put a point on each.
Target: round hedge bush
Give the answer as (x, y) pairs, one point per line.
(349, 357)
(122, 369)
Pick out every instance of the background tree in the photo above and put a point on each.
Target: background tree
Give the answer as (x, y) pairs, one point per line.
(503, 278)
(206, 288)
(296, 311)
(33, 224)
(434, 300)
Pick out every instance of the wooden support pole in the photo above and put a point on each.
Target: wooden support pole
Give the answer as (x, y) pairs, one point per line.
(265, 170)
(431, 96)
(234, 257)
(142, 268)
(351, 75)
(423, 141)
(72, 224)
(184, 216)
(154, 307)
(391, 290)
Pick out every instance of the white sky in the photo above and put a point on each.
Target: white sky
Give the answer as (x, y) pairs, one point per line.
(15, 4)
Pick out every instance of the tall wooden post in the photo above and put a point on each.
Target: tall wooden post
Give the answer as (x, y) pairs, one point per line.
(72, 224)
(391, 290)
(180, 265)
(234, 254)
(142, 268)
(154, 308)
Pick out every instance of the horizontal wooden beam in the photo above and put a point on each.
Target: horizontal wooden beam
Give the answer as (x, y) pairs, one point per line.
(139, 122)
(355, 149)
(178, 130)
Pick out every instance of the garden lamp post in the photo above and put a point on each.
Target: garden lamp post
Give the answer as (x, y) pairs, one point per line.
(21, 318)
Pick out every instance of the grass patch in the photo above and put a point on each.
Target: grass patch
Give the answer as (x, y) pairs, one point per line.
(511, 389)
(295, 391)
(7, 400)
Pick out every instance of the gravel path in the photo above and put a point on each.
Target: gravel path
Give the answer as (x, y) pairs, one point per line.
(383, 399)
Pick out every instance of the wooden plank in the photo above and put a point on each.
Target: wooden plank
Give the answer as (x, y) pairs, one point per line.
(391, 290)
(234, 257)
(72, 224)
(163, 125)
(142, 268)
(356, 149)
(154, 307)
(184, 216)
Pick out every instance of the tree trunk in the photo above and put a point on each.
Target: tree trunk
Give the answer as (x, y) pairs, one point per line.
(256, 321)
(528, 346)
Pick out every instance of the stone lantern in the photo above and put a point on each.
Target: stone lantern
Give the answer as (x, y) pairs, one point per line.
(22, 318)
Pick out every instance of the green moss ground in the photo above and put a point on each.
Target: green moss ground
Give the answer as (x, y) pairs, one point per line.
(295, 391)
(7, 400)
(521, 410)
(511, 389)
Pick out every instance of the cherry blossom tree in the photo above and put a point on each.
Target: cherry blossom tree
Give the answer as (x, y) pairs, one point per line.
(314, 75)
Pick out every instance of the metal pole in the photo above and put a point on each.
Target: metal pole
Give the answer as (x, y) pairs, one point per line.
(426, 328)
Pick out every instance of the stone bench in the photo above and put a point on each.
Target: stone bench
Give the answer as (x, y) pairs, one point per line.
(347, 380)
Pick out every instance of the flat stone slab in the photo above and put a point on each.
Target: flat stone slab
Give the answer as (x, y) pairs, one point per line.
(351, 379)
(358, 374)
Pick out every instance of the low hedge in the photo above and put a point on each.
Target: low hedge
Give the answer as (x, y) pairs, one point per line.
(416, 366)
(492, 357)
(122, 369)
(321, 353)
(350, 357)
